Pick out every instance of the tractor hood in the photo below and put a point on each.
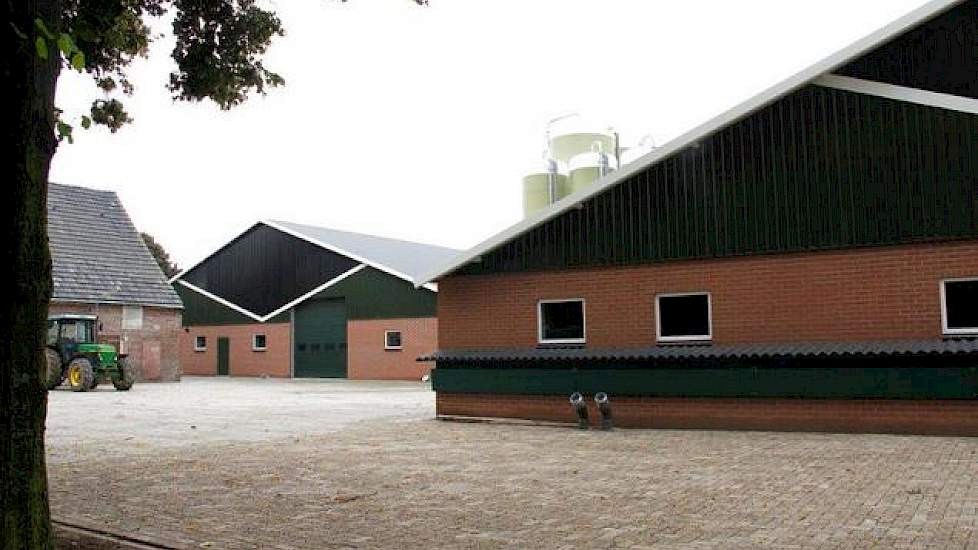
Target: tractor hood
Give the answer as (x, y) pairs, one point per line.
(106, 352)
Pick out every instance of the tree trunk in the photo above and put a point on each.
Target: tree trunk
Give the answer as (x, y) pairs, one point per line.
(29, 144)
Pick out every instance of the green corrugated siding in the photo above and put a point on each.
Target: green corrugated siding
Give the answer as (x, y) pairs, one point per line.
(373, 294)
(819, 169)
(897, 378)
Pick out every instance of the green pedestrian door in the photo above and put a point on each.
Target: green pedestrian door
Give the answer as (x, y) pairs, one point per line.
(223, 356)
(320, 339)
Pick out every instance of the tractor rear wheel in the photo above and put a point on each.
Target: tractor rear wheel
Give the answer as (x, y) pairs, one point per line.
(56, 374)
(126, 377)
(81, 375)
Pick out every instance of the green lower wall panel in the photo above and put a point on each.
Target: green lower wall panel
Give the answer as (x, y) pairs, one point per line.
(893, 382)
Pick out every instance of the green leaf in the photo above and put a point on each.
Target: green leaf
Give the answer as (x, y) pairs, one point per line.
(39, 23)
(64, 132)
(66, 44)
(86, 122)
(78, 61)
(42, 47)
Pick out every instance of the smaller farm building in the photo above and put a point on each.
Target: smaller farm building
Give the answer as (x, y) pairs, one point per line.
(101, 266)
(292, 300)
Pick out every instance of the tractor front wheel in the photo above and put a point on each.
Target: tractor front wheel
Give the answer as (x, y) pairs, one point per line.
(81, 375)
(126, 377)
(56, 374)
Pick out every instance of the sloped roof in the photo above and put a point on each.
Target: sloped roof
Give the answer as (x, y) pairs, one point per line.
(406, 259)
(97, 254)
(963, 346)
(813, 73)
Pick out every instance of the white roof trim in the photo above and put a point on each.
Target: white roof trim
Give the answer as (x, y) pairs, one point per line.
(317, 242)
(222, 301)
(827, 65)
(205, 258)
(286, 307)
(338, 250)
(315, 291)
(899, 93)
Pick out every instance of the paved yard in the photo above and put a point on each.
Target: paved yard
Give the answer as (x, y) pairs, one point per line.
(401, 480)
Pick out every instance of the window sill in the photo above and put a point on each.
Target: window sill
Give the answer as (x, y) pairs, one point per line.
(686, 342)
(198, 350)
(259, 349)
(394, 349)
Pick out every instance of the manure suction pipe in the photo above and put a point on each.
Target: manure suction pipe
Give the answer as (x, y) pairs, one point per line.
(580, 407)
(604, 406)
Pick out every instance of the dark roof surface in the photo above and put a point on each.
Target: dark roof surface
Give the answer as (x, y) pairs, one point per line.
(738, 351)
(97, 254)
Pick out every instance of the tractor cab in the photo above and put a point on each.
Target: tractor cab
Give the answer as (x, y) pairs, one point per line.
(73, 353)
(66, 333)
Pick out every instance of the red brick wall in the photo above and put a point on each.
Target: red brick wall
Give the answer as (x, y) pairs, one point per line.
(153, 349)
(864, 294)
(814, 415)
(368, 360)
(243, 361)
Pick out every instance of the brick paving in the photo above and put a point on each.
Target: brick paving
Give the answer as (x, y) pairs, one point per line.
(431, 484)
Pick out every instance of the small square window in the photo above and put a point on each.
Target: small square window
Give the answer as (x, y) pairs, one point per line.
(959, 306)
(683, 317)
(561, 321)
(132, 317)
(200, 343)
(258, 343)
(392, 339)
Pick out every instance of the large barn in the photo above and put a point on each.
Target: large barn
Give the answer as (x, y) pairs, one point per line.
(291, 300)
(806, 261)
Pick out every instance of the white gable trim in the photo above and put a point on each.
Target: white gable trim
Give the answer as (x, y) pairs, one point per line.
(827, 65)
(222, 301)
(308, 239)
(899, 93)
(286, 307)
(348, 254)
(315, 291)
(180, 275)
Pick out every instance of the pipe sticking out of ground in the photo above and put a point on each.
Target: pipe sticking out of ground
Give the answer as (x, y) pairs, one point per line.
(580, 408)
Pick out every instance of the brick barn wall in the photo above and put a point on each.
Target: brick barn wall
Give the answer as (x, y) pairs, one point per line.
(154, 348)
(368, 360)
(862, 294)
(243, 361)
(933, 417)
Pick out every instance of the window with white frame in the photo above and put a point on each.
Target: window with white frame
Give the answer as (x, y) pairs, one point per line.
(259, 342)
(200, 343)
(683, 317)
(132, 317)
(392, 340)
(560, 321)
(959, 306)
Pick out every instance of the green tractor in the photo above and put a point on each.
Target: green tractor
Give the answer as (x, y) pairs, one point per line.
(73, 353)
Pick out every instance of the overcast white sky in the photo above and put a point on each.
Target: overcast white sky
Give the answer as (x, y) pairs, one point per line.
(418, 123)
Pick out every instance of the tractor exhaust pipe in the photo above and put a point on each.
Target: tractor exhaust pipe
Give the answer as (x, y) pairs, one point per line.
(580, 408)
(604, 406)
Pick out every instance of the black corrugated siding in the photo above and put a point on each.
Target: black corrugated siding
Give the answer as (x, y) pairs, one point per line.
(265, 269)
(819, 169)
(941, 55)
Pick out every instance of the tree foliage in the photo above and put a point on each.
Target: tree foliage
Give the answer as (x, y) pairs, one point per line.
(161, 256)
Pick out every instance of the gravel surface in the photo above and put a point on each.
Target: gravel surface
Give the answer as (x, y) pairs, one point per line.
(203, 410)
(413, 483)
